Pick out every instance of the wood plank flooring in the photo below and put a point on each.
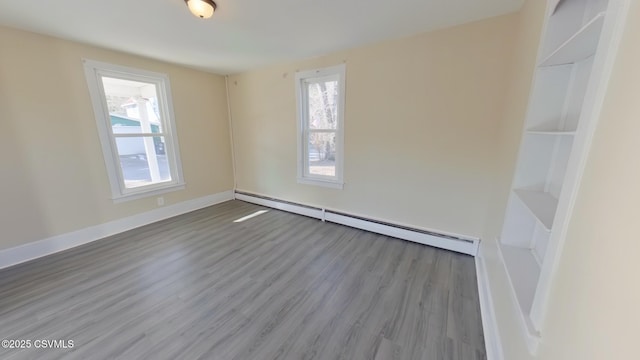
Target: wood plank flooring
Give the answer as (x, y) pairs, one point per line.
(276, 286)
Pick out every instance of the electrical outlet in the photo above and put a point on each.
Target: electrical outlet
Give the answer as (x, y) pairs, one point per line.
(160, 201)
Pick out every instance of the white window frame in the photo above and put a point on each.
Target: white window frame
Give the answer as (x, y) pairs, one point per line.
(94, 71)
(302, 78)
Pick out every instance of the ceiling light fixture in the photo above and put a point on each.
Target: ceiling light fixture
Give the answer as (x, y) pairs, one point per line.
(203, 9)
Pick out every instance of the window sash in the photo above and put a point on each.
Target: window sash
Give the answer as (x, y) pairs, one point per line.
(162, 107)
(307, 165)
(95, 72)
(321, 130)
(305, 99)
(140, 135)
(303, 80)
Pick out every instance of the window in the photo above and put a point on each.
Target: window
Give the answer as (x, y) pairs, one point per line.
(320, 126)
(134, 115)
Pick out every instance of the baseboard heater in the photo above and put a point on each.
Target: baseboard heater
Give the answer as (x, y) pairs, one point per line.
(458, 243)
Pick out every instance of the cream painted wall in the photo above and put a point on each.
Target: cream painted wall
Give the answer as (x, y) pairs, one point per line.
(53, 177)
(421, 127)
(594, 311)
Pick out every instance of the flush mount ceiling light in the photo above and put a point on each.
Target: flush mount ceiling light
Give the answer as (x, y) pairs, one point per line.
(203, 9)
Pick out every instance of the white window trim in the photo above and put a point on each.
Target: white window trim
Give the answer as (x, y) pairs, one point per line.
(337, 182)
(93, 71)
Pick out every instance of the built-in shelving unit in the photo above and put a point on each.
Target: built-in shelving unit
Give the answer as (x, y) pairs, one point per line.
(542, 205)
(524, 272)
(578, 47)
(552, 143)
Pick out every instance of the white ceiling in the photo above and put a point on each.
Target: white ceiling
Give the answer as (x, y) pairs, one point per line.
(243, 34)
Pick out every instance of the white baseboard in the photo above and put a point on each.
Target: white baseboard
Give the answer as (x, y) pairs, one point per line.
(284, 206)
(493, 344)
(40, 248)
(462, 244)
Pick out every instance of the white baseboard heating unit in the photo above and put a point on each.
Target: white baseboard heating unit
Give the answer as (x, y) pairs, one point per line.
(458, 243)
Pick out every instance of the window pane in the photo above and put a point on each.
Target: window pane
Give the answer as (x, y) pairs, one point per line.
(322, 153)
(143, 160)
(323, 104)
(133, 106)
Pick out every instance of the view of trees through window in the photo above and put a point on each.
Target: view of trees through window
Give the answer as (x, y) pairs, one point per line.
(323, 110)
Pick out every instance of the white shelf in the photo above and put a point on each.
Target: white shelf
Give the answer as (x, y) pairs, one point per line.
(579, 46)
(552, 132)
(541, 204)
(554, 5)
(523, 271)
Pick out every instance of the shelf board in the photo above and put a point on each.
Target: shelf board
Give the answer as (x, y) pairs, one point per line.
(524, 272)
(555, 4)
(551, 132)
(541, 204)
(579, 46)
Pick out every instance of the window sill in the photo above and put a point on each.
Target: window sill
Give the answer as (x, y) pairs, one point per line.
(324, 183)
(147, 193)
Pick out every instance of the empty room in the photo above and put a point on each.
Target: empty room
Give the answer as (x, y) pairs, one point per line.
(244, 179)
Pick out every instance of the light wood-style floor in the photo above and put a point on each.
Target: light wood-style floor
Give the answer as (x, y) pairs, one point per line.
(276, 286)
